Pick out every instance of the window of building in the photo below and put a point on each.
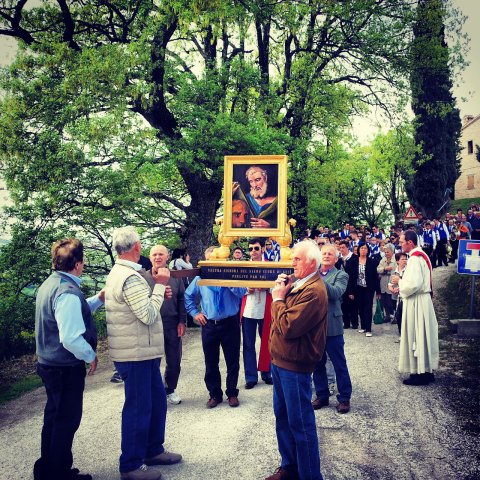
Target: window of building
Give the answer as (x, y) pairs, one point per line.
(470, 146)
(470, 182)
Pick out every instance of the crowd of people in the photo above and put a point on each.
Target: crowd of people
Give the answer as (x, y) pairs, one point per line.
(301, 321)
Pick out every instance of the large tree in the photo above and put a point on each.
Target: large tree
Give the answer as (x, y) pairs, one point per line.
(120, 111)
(437, 119)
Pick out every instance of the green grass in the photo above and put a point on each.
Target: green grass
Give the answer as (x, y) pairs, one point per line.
(458, 296)
(464, 204)
(18, 388)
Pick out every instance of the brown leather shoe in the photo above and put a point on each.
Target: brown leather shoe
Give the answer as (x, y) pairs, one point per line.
(142, 473)
(165, 458)
(319, 403)
(213, 402)
(281, 474)
(343, 407)
(233, 401)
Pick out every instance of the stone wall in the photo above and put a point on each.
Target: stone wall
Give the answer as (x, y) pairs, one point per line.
(470, 164)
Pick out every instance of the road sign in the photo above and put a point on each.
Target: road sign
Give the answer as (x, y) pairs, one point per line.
(469, 257)
(411, 216)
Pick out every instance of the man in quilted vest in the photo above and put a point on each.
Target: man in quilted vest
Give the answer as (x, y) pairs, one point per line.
(66, 339)
(135, 340)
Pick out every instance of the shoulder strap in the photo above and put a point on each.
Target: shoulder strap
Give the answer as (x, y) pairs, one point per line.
(423, 255)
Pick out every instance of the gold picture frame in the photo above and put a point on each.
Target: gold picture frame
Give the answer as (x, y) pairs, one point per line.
(255, 195)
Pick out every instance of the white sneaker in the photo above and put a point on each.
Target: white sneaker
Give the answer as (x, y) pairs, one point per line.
(173, 398)
(368, 334)
(361, 330)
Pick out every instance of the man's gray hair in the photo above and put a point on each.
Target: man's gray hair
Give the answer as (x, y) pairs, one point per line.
(256, 168)
(124, 239)
(312, 252)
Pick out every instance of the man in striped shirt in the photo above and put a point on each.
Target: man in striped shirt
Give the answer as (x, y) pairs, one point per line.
(135, 340)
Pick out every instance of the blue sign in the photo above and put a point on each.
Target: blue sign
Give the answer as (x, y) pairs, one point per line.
(469, 257)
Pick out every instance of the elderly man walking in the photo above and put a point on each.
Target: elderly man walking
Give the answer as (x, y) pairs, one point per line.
(297, 342)
(135, 340)
(336, 282)
(419, 350)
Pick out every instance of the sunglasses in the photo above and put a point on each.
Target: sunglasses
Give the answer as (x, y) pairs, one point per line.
(256, 248)
(268, 244)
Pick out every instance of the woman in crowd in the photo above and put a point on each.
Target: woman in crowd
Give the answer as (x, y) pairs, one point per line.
(180, 260)
(385, 268)
(367, 285)
(401, 262)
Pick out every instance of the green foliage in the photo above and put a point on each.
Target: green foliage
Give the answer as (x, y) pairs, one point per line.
(24, 265)
(437, 119)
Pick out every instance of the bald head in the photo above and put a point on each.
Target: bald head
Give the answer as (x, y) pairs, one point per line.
(159, 256)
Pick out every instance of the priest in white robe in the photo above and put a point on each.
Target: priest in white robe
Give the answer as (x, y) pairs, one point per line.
(419, 351)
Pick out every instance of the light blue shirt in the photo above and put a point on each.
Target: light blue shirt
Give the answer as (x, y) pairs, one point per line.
(71, 327)
(217, 303)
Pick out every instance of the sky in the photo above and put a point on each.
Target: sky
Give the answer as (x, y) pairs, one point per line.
(467, 91)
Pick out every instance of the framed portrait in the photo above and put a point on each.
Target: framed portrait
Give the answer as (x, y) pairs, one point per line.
(255, 195)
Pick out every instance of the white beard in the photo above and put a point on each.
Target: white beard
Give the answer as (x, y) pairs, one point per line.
(259, 193)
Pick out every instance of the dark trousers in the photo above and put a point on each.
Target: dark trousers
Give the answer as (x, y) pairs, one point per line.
(364, 303)
(62, 416)
(441, 253)
(387, 304)
(144, 412)
(350, 314)
(173, 357)
(454, 254)
(429, 251)
(335, 348)
(225, 334)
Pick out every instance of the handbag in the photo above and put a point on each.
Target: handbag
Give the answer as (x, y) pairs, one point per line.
(379, 316)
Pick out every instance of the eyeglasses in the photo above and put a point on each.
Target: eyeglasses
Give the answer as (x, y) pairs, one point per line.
(268, 244)
(256, 248)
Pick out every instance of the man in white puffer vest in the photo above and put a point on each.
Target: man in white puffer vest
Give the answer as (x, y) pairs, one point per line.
(135, 340)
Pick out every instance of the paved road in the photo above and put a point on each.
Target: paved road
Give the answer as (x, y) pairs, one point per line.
(392, 432)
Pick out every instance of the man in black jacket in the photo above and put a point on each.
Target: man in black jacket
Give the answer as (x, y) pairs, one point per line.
(350, 265)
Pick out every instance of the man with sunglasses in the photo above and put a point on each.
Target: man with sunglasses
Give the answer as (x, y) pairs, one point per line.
(255, 310)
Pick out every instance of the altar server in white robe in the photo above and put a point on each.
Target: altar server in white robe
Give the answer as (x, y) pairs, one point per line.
(419, 350)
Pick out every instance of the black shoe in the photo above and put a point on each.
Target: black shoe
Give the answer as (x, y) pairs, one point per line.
(416, 380)
(250, 385)
(430, 377)
(268, 380)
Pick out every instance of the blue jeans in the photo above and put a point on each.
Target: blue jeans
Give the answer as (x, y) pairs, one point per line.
(249, 331)
(335, 349)
(144, 412)
(295, 423)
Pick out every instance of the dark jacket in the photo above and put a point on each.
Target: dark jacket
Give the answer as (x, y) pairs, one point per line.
(371, 276)
(173, 309)
(299, 327)
(351, 268)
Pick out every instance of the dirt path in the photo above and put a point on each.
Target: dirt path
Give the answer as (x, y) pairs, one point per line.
(392, 432)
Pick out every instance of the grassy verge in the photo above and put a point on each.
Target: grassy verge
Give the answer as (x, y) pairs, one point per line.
(17, 376)
(18, 388)
(464, 203)
(460, 356)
